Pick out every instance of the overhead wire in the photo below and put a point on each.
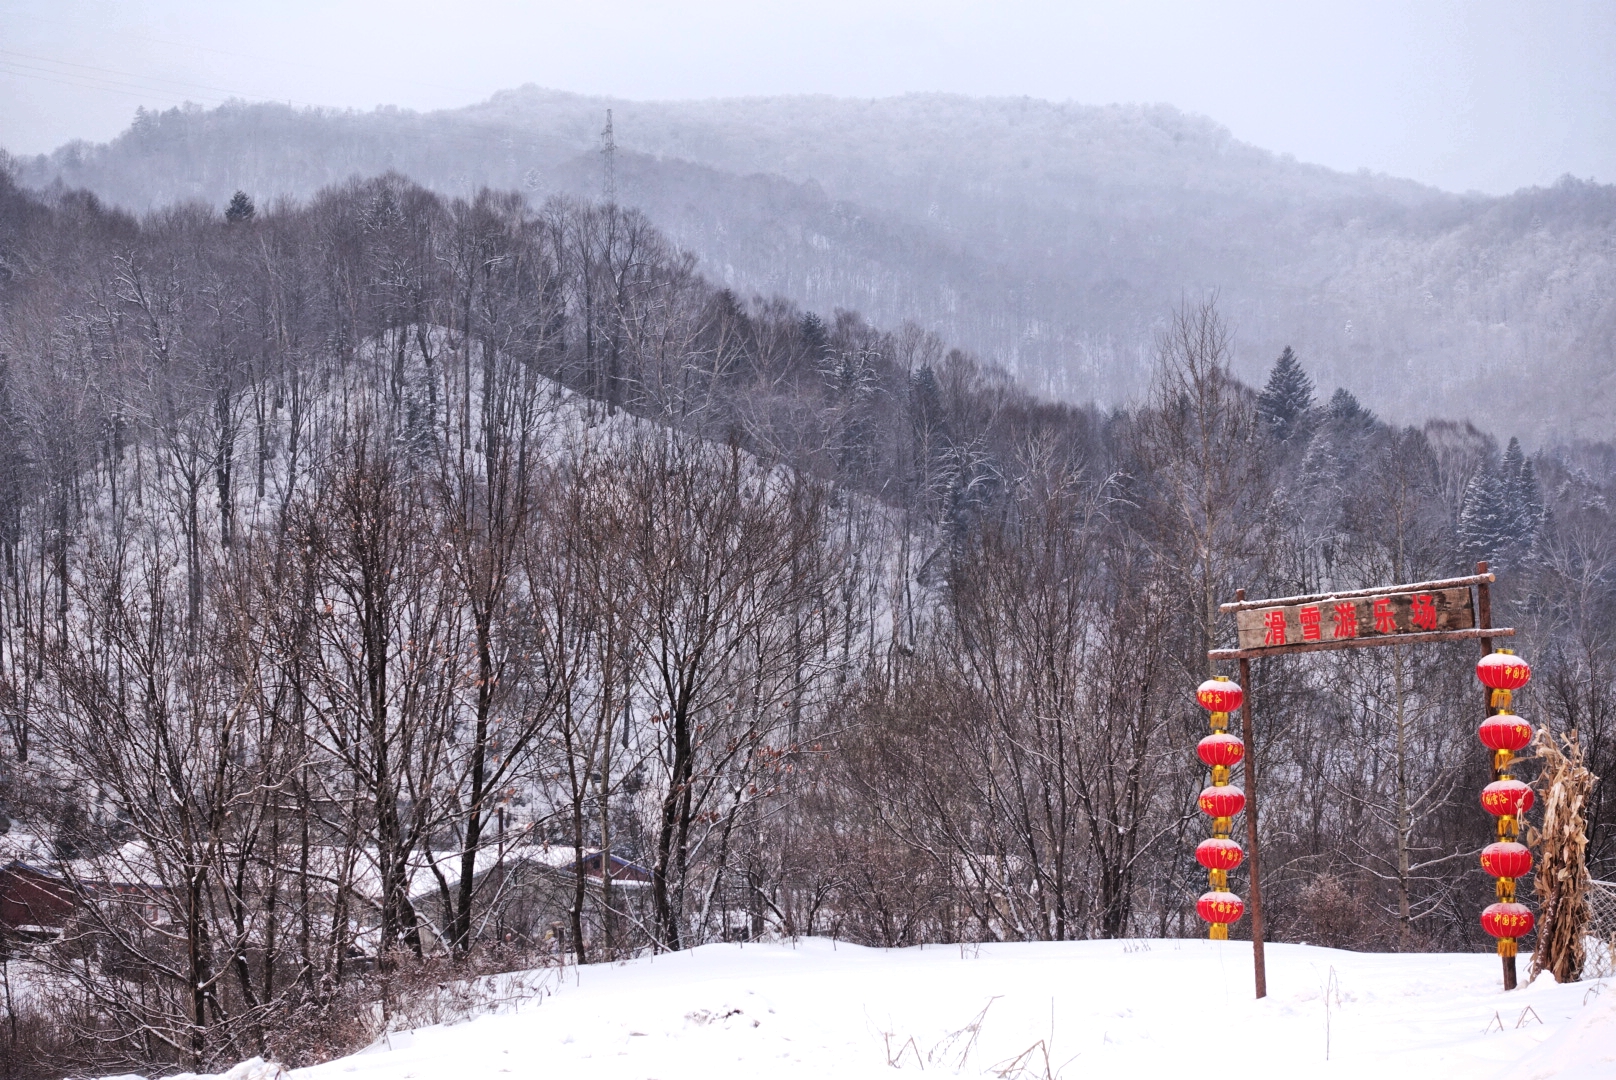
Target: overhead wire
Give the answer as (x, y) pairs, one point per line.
(90, 76)
(28, 71)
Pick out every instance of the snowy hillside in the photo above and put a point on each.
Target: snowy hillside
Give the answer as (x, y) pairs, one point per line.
(1051, 237)
(1077, 1009)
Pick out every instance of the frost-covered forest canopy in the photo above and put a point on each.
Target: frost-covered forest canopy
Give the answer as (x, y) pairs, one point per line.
(378, 563)
(1046, 237)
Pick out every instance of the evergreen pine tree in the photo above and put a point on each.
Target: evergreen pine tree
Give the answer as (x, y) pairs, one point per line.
(1523, 500)
(928, 396)
(814, 335)
(1514, 461)
(1322, 473)
(1484, 526)
(1344, 408)
(240, 209)
(1529, 498)
(1288, 395)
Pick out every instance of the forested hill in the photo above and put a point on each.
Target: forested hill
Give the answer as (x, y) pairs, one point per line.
(369, 565)
(1049, 237)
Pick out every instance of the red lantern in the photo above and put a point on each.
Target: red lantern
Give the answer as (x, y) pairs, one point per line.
(1501, 797)
(1505, 731)
(1503, 671)
(1221, 749)
(1226, 907)
(1219, 854)
(1506, 859)
(1219, 695)
(1224, 800)
(1507, 920)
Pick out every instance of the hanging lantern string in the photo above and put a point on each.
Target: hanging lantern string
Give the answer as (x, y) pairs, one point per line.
(1220, 801)
(1507, 799)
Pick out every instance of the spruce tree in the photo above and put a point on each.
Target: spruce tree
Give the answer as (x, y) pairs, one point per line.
(1322, 474)
(240, 209)
(1288, 395)
(1514, 461)
(815, 336)
(1484, 526)
(1344, 408)
(1523, 500)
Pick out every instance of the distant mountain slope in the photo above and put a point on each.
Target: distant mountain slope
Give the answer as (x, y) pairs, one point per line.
(1051, 237)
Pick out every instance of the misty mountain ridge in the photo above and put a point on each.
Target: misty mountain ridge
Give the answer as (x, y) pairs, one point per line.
(1049, 237)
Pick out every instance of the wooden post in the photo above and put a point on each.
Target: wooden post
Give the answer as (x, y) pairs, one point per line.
(1484, 621)
(1258, 963)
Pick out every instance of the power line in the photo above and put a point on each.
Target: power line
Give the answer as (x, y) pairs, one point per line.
(116, 79)
(100, 72)
(8, 67)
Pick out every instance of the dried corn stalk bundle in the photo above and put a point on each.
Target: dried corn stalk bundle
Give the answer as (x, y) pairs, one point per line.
(1562, 883)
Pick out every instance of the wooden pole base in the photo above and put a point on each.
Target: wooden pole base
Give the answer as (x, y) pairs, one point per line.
(1253, 861)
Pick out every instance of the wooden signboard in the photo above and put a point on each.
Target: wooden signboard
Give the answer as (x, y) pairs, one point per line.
(1425, 611)
(1348, 618)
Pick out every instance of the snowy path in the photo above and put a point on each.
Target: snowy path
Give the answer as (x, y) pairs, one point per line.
(1101, 1008)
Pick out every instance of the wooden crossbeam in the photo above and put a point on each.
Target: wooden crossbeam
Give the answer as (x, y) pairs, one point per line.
(1384, 590)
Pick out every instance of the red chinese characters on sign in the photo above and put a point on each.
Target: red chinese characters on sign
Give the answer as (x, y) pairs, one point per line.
(1274, 628)
(1325, 622)
(1385, 617)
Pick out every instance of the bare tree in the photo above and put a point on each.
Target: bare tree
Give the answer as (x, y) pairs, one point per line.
(722, 552)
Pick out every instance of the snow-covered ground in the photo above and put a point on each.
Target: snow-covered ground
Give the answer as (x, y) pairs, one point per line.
(1130, 1009)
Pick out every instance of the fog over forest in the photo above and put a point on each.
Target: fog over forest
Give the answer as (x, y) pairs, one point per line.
(1047, 237)
(431, 547)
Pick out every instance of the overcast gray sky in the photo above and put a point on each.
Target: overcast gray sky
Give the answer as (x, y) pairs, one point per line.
(1464, 94)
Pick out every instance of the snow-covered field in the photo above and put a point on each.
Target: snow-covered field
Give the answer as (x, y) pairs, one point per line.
(1131, 1009)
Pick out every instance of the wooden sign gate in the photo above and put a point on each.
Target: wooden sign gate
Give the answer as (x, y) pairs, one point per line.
(1426, 611)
